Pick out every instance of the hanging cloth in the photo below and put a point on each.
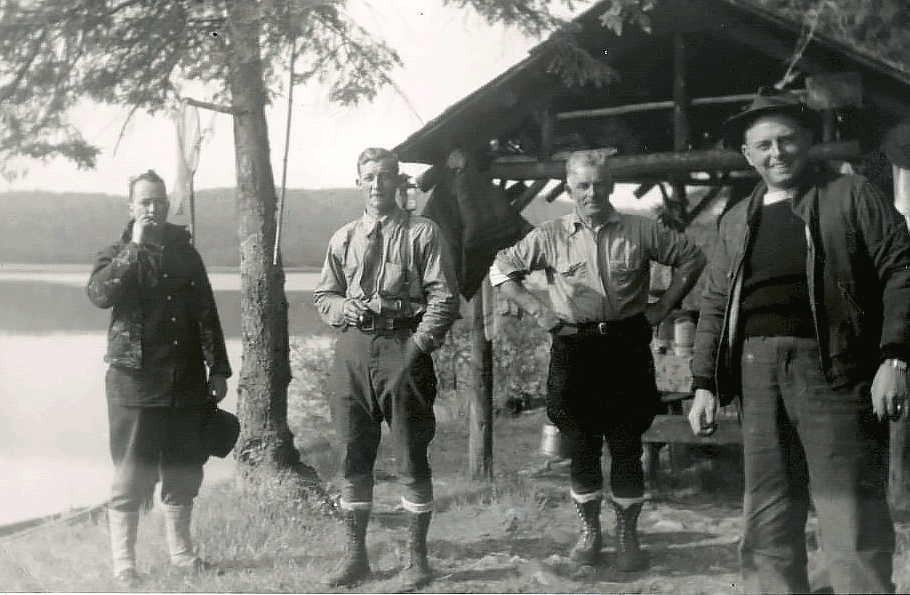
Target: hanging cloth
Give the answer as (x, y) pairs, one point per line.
(189, 143)
(476, 220)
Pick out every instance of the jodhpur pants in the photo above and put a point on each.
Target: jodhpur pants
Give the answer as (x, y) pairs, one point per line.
(370, 384)
(805, 440)
(602, 387)
(149, 444)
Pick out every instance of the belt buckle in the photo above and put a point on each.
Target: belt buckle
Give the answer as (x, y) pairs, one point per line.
(602, 328)
(389, 324)
(367, 323)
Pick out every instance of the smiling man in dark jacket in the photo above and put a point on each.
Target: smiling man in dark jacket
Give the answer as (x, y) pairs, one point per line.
(168, 366)
(805, 317)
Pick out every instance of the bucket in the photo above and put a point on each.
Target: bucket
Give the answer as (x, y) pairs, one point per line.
(554, 444)
(663, 336)
(683, 335)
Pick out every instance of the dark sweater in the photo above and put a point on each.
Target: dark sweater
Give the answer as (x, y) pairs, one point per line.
(775, 297)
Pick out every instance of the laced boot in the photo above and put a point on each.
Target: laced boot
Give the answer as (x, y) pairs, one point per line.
(124, 527)
(629, 555)
(417, 573)
(586, 551)
(355, 566)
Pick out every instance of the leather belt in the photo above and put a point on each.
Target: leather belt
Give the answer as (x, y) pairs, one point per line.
(602, 328)
(376, 324)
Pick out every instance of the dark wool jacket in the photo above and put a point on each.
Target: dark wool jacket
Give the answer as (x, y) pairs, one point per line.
(165, 337)
(858, 272)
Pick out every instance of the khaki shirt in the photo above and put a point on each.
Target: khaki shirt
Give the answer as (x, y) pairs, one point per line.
(413, 278)
(596, 274)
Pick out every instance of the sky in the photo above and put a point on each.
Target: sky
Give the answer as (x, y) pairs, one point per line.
(447, 53)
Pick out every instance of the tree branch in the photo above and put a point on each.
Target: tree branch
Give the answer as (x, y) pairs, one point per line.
(224, 109)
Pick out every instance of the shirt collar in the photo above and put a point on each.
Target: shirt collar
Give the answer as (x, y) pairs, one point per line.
(369, 221)
(573, 222)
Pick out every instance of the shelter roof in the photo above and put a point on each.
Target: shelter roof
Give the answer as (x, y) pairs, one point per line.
(725, 50)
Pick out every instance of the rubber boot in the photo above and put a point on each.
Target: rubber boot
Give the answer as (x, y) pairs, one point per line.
(355, 566)
(629, 555)
(124, 527)
(586, 551)
(417, 573)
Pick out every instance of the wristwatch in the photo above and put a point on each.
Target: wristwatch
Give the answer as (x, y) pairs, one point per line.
(898, 364)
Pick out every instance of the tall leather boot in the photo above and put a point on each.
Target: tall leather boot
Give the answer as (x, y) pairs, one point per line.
(355, 566)
(124, 527)
(586, 551)
(629, 556)
(417, 573)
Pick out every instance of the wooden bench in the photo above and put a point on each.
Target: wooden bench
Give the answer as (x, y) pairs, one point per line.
(672, 429)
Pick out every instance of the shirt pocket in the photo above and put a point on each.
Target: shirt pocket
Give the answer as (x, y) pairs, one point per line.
(572, 275)
(625, 265)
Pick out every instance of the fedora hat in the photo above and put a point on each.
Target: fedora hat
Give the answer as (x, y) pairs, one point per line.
(220, 430)
(769, 100)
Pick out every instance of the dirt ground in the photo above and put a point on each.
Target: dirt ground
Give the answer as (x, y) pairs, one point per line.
(513, 534)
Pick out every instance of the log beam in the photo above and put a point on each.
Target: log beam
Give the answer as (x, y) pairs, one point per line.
(656, 166)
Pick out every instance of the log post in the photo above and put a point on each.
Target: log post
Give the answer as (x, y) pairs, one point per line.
(678, 205)
(898, 472)
(480, 414)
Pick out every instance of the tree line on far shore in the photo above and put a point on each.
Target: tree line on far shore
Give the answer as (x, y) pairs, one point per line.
(69, 228)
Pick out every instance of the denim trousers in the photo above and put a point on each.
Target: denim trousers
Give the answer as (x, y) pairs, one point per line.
(149, 444)
(806, 442)
(371, 384)
(602, 387)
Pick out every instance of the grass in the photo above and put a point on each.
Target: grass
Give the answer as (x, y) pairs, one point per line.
(506, 535)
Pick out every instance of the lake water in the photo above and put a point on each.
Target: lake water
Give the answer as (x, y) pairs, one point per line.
(53, 415)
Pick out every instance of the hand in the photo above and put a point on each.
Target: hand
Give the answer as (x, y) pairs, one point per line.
(703, 413)
(141, 227)
(353, 310)
(411, 351)
(655, 313)
(217, 387)
(889, 392)
(547, 319)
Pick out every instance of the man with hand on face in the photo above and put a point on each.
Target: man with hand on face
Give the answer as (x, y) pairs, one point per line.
(805, 317)
(168, 368)
(387, 285)
(601, 381)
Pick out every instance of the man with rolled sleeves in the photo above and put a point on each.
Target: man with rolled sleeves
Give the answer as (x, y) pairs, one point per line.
(168, 368)
(805, 317)
(387, 286)
(601, 383)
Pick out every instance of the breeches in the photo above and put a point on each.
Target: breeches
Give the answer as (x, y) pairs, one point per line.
(149, 444)
(370, 384)
(804, 440)
(603, 387)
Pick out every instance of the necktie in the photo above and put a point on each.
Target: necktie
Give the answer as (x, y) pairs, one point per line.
(372, 256)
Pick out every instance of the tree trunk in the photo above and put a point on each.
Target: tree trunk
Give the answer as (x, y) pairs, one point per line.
(266, 443)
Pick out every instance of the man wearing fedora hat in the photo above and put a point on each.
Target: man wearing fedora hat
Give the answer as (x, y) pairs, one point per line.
(806, 318)
(168, 369)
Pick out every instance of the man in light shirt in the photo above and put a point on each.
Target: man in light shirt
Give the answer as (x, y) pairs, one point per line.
(601, 383)
(387, 286)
